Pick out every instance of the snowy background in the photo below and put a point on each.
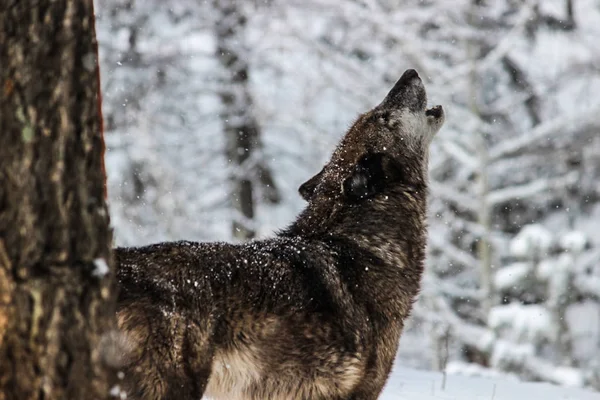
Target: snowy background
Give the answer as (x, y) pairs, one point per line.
(512, 288)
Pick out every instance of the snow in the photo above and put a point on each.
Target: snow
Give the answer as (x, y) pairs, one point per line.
(511, 275)
(533, 238)
(116, 392)
(573, 241)
(584, 320)
(470, 369)
(565, 376)
(589, 285)
(100, 268)
(410, 384)
(524, 322)
(545, 269)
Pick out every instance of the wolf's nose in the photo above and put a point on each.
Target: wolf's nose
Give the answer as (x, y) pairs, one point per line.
(409, 78)
(409, 75)
(408, 92)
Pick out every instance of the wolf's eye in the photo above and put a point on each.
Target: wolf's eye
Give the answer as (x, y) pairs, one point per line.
(384, 119)
(387, 120)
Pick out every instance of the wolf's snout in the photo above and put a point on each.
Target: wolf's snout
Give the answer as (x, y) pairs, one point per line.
(408, 79)
(409, 76)
(408, 92)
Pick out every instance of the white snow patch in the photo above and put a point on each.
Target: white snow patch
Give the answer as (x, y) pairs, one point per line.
(522, 323)
(584, 325)
(409, 384)
(100, 268)
(532, 239)
(116, 391)
(573, 241)
(565, 376)
(506, 354)
(545, 269)
(510, 276)
(471, 369)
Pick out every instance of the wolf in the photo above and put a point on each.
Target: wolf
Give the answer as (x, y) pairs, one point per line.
(315, 312)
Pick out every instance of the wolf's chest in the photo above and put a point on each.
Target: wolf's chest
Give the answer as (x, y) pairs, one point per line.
(233, 376)
(251, 373)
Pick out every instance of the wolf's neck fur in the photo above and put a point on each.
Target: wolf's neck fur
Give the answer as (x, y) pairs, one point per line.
(384, 241)
(394, 224)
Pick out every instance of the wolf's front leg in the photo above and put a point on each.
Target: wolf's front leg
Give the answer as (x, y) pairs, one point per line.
(170, 354)
(364, 396)
(370, 387)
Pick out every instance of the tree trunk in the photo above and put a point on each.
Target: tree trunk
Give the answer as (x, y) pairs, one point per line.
(484, 213)
(241, 128)
(56, 297)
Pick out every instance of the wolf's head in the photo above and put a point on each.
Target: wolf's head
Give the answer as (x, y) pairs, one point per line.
(386, 149)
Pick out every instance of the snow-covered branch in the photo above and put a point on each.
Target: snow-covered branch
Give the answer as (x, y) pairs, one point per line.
(454, 253)
(530, 189)
(508, 355)
(460, 154)
(545, 131)
(461, 199)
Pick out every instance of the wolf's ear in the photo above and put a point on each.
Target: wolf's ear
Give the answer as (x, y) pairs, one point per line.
(366, 179)
(307, 189)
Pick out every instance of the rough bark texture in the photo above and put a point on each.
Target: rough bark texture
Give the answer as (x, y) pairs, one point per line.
(55, 300)
(241, 129)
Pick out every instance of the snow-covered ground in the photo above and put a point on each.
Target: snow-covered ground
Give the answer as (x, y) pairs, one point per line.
(410, 384)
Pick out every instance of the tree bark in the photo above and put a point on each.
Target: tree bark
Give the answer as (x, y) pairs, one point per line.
(241, 128)
(56, 289)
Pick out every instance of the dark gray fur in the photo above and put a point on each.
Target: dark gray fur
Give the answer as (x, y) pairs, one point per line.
(315, 312)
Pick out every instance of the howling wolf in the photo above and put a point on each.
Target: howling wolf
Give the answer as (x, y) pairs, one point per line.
(315, 312)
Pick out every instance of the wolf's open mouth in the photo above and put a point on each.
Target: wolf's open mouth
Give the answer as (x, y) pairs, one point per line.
(435, 112)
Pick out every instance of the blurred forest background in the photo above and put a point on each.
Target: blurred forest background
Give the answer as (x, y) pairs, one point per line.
(216, 111)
